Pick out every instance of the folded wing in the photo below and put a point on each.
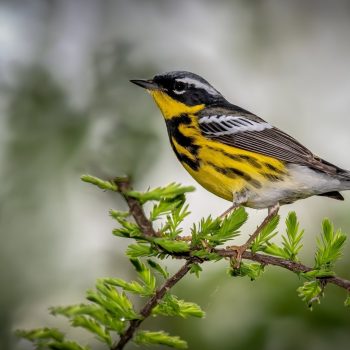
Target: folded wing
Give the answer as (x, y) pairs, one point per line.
(249, 132)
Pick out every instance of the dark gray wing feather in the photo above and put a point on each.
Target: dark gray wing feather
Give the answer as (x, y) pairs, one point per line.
(268, 140)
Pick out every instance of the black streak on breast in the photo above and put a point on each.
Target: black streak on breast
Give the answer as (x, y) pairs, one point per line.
(187, 142)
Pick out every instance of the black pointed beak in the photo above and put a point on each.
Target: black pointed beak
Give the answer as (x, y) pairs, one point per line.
(146, 84)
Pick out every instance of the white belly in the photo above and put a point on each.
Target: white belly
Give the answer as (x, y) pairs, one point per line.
(301, 182)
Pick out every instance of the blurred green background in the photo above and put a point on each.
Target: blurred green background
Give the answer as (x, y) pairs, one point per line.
(67, 108)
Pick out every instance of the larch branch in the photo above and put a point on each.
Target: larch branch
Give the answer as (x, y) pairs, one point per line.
(151, 303)
(136, 210)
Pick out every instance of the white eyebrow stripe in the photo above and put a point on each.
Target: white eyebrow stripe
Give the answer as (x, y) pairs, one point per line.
(238, 124)
(198, 84)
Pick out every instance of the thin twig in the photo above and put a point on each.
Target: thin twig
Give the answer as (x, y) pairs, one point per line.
(135, 208)
(287, 264)
(151, 303)
(263, 259)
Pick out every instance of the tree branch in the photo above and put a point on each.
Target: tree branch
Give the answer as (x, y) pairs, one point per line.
(135, 208)
(287, 264)
(151, 303)
(263, 259)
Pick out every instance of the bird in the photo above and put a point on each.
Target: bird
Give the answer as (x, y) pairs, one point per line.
(234, 153)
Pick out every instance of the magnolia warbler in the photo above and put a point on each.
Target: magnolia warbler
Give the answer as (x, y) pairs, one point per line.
(235, 154)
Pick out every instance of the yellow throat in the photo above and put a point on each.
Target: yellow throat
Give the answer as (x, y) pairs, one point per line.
(170, 107)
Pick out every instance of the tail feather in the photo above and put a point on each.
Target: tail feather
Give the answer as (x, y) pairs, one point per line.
(333, 194)
(343, 174)
(344, 177)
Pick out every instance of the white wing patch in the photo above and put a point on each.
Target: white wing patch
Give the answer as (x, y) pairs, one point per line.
(228, 124)
(200, 85)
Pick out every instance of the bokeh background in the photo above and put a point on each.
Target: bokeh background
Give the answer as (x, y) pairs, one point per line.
(67, 108)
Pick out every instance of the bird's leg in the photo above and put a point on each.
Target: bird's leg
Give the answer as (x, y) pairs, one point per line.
(239, 198)
(272, 212)
(229, 211)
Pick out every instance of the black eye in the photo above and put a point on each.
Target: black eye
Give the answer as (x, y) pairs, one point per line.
(179, 87)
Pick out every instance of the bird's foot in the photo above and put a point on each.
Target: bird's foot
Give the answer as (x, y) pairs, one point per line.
(239, 249)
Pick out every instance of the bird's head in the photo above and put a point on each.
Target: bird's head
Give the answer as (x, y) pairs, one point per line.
(180, 92)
